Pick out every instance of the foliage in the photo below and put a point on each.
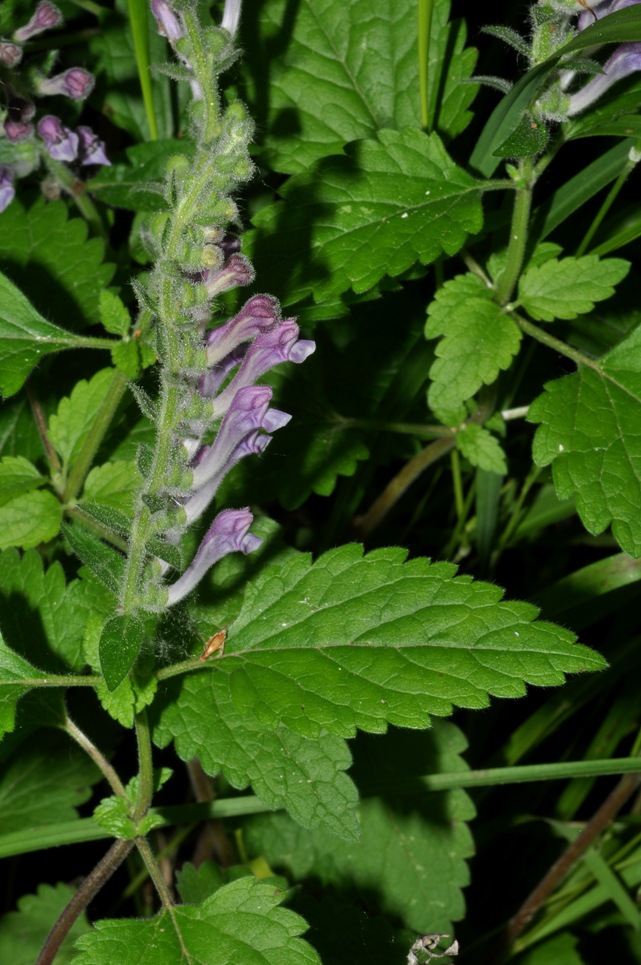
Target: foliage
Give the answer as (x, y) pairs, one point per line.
(228, 641)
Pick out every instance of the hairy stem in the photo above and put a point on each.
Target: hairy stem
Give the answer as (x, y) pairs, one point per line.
(95, 754)
(161, 887)
(85, 893)
(612, 195)
(145, 767)
(518, 235)
(41, 424)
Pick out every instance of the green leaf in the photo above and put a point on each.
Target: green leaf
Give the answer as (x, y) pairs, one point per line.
(569, 287)
(241, 922)
(114, 316)
(353, 219)
(479, 340)
(481, 448)
(103, 560)
(24, 337)
(120, 643)
(335, 94)
(72, 423)
(561, 949)
(13, 670)
(590, 435)
(403, 833)
(284, 768)
(29, 520)
(113, 484)
(195, 884)
(17, 476)
(50, 255)
(45, 781)
(23, 932)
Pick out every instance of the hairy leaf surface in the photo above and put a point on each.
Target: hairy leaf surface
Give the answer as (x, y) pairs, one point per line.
(23, 932)
(567, 287)
(387, 204)
(591, 435)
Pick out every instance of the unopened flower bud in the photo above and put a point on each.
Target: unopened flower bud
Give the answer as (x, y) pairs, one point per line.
(75, 83)
(46, 16)
(61, 142)
(17, 131)
(166, 20)
(231, 16)
(10, 54)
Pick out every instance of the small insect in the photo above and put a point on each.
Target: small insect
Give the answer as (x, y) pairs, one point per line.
(215, 644)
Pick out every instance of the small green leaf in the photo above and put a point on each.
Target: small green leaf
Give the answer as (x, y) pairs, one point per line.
(481, 448)
(529, 138)
(569, 287)
(479, 340)
(24, 337)
(103, 560)
(120, 643)
(29, 520)
(113, 314)
(590, 435)
(14, 672)
(24, 932)
(17, 476)
(240, 923)
(391, 202)
(71, 424)
(112, 815)
(113, 484)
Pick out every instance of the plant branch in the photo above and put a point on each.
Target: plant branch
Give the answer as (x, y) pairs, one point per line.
(145, 768)
(85, 893)
(161, 887)
(518, 235)
(600, 820)
(95, 754)
(41, 425)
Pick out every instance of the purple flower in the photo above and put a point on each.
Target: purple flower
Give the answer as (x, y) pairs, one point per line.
(235, 273)
(10, 54)
(270, 348)
(238, 436)
(91, 149)
(231, 16)
(227, 534)
(75, 83)
(46, 16)
(17, 131)
(166, 20)
(601, 9)
(258, 315)
(61, 142)
(625, 60)
(7, 190)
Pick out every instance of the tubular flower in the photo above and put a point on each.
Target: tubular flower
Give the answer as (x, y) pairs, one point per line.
(10, 54)
(227, 534)
(625, 60)
(91, 149)
(75, 83)
(17, 131)
(46, 16)
(231, 16)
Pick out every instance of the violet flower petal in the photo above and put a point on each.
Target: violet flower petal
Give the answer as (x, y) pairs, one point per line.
(280, 344)
(235, 273)
(61, 142)
(625, 60)
(257, 315)
(7, 190)
(91, 149)
(227, 534)
(46, 16)
(10, 54)
(18, 131)
(166, 20)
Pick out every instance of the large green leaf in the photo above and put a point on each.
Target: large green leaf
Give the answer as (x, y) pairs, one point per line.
(50, 255)
(402, 834)
(387, 204)
(478, 341)
(350, 70)
(591, 435)
(240, 923)
(25, 337)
